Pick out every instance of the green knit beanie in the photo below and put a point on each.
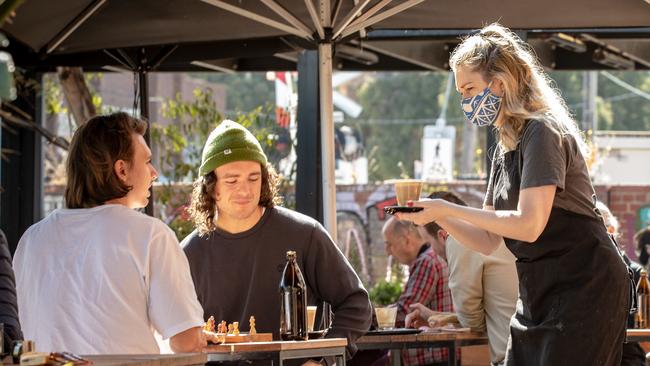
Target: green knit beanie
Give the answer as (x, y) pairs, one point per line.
(229, 142)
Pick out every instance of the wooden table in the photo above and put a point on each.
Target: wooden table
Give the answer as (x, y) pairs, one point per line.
(396, 343)
(184, 359)
(638, 335)
(278, 351)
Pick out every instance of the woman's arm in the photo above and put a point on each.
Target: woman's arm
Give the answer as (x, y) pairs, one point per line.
(482, 230)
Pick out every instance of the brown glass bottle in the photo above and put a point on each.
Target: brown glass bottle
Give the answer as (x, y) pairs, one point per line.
(293, 302)
(643, 295)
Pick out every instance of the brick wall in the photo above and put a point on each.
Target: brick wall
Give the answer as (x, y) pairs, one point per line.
(625, 202)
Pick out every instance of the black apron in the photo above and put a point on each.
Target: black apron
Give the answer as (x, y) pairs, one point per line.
(573, 286)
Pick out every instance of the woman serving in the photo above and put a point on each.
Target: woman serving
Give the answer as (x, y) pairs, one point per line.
(573, 285)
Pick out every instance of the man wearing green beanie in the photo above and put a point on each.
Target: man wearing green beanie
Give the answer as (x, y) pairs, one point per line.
(241, 233)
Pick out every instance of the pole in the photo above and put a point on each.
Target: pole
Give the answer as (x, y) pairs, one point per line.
(143, 84)
(327, 136)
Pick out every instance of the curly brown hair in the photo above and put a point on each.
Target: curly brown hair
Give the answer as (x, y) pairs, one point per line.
(203, 208)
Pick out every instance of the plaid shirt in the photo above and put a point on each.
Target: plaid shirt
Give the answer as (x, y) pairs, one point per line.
(427, 284)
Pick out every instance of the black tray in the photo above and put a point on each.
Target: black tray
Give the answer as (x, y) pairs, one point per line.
(316, 334)
(395, 331)
(392, 210)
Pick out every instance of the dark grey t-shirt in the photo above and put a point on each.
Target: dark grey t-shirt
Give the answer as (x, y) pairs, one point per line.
(552, 158)
(238, 275)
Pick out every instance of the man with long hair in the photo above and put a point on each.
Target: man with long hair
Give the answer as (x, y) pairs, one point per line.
(97, 277)
(241, 233)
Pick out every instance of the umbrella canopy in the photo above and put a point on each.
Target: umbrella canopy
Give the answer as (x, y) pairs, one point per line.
(77, 32)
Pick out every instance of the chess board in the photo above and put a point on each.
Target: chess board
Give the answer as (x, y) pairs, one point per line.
(221, 338)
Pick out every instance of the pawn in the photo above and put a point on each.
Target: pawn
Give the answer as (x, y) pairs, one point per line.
(235, 328)
(223, 328)
(230, 328)
(251, 322)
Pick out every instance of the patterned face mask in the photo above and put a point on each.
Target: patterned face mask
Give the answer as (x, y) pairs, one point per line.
(483, 108)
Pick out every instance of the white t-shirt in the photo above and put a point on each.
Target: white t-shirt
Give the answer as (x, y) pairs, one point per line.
(101, 280)
(484, 290)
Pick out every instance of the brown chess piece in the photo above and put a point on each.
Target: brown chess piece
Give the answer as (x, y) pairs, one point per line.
(209, 325)
(251, 322)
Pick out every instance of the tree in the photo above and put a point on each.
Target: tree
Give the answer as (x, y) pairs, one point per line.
(245, 91)
(396, 106)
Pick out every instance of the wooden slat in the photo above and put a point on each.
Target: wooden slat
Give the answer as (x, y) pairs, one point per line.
(149, 360)
(277, 346)
(638, 335)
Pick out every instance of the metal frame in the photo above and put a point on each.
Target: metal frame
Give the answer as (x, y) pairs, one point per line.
(378, 18)
(287, 15)
(348, 18)
(213, 67)
(399, 57)
(80, 19)
(258, 18)
(278, 357)
(372, 11)
(396, 347)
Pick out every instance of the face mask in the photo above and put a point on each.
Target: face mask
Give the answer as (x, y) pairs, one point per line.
(483, 108)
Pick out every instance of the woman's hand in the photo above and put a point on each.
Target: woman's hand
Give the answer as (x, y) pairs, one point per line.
(433, 210)
(418, 317)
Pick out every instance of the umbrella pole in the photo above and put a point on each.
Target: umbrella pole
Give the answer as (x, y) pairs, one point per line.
(327, 137)
(143, 85)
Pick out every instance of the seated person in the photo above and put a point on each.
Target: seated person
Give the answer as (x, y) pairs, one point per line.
(98, 277)
(427, 282)
(241, 232)
(633, 353)
(483, 288)
(642, 240)
(8, 304)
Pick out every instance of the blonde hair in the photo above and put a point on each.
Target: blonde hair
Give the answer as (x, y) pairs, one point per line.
(498, 53)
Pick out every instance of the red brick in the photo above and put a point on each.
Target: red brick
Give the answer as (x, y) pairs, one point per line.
(636, 188)
(642, 197)
(618, 209)
(628, 197)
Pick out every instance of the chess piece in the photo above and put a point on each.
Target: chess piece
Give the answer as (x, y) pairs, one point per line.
(222, 327)
(230, 328)
(235, 328)
(251, 322)
(209, 325)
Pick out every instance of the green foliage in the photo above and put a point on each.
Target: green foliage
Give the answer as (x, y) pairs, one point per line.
(617, 108)
(182, 227)
(389, 98)
(245, 91)
(385, 293)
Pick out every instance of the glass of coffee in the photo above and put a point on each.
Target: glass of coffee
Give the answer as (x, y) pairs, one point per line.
(386, 317)
(311, 316)
(407, 190)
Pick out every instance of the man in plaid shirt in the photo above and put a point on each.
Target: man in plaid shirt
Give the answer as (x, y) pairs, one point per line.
(427, 283)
